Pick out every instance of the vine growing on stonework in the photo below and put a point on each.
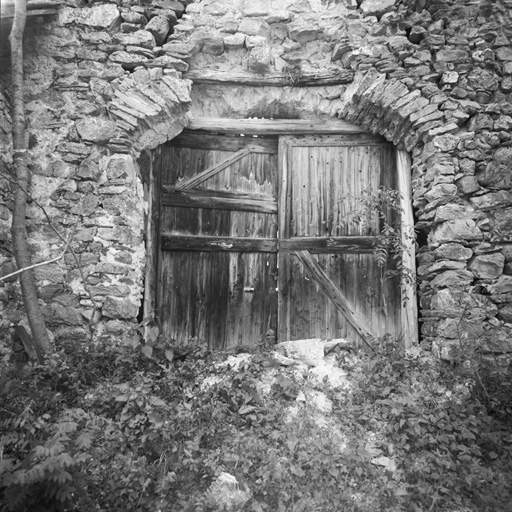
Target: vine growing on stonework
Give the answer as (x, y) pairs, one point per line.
(380, 209)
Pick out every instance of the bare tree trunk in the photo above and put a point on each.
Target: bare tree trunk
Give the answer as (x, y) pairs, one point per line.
(18, 228)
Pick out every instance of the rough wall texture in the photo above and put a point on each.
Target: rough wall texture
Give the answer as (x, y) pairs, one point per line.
(435, 77)
(90, 114)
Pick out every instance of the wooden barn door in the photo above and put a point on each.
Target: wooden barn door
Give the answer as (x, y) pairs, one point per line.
(271, 236)
(330, 283)
(218, 259)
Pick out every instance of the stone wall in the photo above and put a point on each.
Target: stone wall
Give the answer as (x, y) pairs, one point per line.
(109, 80)
(99, 90)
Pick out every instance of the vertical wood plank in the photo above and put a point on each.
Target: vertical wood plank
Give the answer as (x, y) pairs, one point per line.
(408, 288)
(153, 188)
(284, 222)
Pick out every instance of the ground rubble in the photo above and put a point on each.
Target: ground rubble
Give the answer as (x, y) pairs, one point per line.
(311, 365)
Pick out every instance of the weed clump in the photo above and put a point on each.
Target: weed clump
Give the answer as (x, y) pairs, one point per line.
(129, 429)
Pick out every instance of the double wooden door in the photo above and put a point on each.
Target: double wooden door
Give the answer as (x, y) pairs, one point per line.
(267, 238)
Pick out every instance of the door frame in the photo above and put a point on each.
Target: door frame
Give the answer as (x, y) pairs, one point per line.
(409, 314)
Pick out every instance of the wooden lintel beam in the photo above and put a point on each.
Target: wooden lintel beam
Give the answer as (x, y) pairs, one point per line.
(273, 126)
(310, 79)
(195, 139)
(33, 9)
(217, 244)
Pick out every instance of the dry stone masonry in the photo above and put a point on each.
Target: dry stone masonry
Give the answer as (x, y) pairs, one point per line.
(109, 81)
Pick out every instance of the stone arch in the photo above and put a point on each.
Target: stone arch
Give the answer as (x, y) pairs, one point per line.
(405, 116)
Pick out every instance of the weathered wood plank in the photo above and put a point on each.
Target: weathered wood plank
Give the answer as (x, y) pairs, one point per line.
(216, 200)
(284, 275)
(272, 126)
(320, 78)
(33, 9)
(152, 164)
(341, 244)
(252, 309)
(193, 181)
(196, 139)
(219, 244)
(408, 285)
(319, 140)
(336, 296)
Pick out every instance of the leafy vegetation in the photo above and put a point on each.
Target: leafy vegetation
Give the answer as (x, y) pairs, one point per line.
(111, 429)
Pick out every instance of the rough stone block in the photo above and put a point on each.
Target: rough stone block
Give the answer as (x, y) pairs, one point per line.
(481, 122)
(58, 314)
(446, 142)
(450, 78)
(492, 200)
(451, 55)
(253, 41)
(96, 129)
(467, 185)
(159, 27)
(250, 8)
(443, 266)
(497, 173)
(253, 27)
(455, 231)
(503, 222)
(455, 301)
(310, 352)
(487, 266)
(73, 152)
(234, 41)
(167, 62)
(505, 313)
(127, 59)
(260, 59)
(503, 123)
(340, 49)
(278, 16)
(119, 308)
(179, 49)
(453, 251)
(502, 286)
(87, 206)
(504, 53)
(97, 16)
(377, 7)
(452, 278)
(483, 80)
(453, 211)
(440, 191)
(142, 38)
(136, 18)
(303, 32)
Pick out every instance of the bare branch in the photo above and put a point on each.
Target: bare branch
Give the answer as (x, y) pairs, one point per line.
(96, 306)
(35, 265)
